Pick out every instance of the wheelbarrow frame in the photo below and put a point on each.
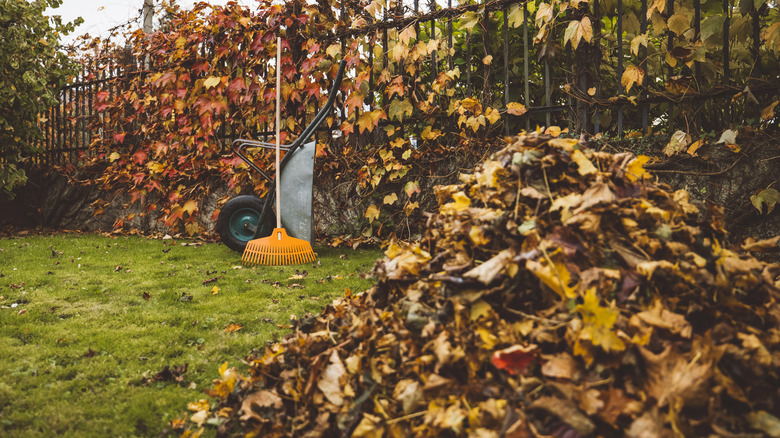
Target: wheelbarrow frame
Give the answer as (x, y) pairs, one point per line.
(239, 146)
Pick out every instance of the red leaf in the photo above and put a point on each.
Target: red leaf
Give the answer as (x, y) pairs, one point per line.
(120, 137)
(515, 359)
(139, 157)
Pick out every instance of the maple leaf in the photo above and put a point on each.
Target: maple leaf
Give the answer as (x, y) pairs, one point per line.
(632, 75)
(577, 31)
(400, 108)
(190, 206)
(372, 213)
(599, 321)
(390, 199)
(370, 119)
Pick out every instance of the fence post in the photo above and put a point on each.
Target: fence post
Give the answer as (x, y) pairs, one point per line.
(620, 63)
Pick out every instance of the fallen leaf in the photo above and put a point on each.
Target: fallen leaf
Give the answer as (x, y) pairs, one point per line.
(515, 359)
(233, 328)
(330, 382)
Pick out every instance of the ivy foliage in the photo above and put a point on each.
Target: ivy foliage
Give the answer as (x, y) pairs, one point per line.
(32, 68)
(413, 97)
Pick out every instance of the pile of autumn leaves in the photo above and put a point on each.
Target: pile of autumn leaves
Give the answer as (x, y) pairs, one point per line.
(558, 291)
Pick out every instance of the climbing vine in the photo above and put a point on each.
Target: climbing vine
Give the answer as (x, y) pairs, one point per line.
(410, 101)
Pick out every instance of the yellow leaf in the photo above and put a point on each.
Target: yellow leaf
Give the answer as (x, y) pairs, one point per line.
(694, 147)
(632, 75)
(487, 60)
(190, 206)
(556, 278)
(372, 213)
(679, 23)
(577, 31)
(516, 109)
(598, 323)
(233, 328)
(492, 115)
(407, 35)
(200, 405)
(461, 203)
(211, 82)
(155, 167)
(488, 176)
(544, 14)
(334, 50)
(410, 207)
(478, 236)
(114, 156)
(768, 113)
(592, 91)
(390, 199)
(639, 40)
(407, 153)
(584, 165)
(553, 130)
(636, 168)
(430, 134)
(214, 290)
(567, 144)
(369, 120)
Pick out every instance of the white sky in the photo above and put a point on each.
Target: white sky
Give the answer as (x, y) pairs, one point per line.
(101, 15)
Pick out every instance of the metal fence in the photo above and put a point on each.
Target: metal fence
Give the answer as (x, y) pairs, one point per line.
(580, 89)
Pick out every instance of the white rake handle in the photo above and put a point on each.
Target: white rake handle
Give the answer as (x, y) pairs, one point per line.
(278, 121)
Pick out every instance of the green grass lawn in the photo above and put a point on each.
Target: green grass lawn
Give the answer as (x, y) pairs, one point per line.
(88, 324)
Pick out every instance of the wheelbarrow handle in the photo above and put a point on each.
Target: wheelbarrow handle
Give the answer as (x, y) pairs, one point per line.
(240, 144)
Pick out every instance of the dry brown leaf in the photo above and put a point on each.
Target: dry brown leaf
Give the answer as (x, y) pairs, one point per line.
(330, 382)
(566, 412)
(560, 366)
(660, 317)
(670, 376)
(260, 401)
(500, 264)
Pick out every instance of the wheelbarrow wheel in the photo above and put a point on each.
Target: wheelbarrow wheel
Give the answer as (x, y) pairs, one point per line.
(239, 219)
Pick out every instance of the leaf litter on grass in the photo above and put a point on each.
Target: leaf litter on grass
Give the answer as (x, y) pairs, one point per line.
(558, 291)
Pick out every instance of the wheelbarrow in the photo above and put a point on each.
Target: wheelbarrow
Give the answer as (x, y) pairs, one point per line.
(248, 217)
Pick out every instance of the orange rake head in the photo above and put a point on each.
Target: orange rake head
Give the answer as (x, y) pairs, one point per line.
(278, 249)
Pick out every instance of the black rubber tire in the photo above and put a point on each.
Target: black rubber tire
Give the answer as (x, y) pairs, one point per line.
(237, 212)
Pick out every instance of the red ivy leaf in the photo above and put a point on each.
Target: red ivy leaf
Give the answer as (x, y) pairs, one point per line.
(139, 157)
(120, 137)
(515, 359)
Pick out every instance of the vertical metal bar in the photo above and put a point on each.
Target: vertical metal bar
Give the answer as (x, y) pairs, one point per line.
(417, 23)
(726, 57)
(697, 35)
(669, 36)
(547, 99)
(726, 23)
(597, 51)
(756, 19)
(434, 62)
(449, 36)
(620, 62)
(643, 61)
(525, 65)
(468, 63)
(506, 67)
